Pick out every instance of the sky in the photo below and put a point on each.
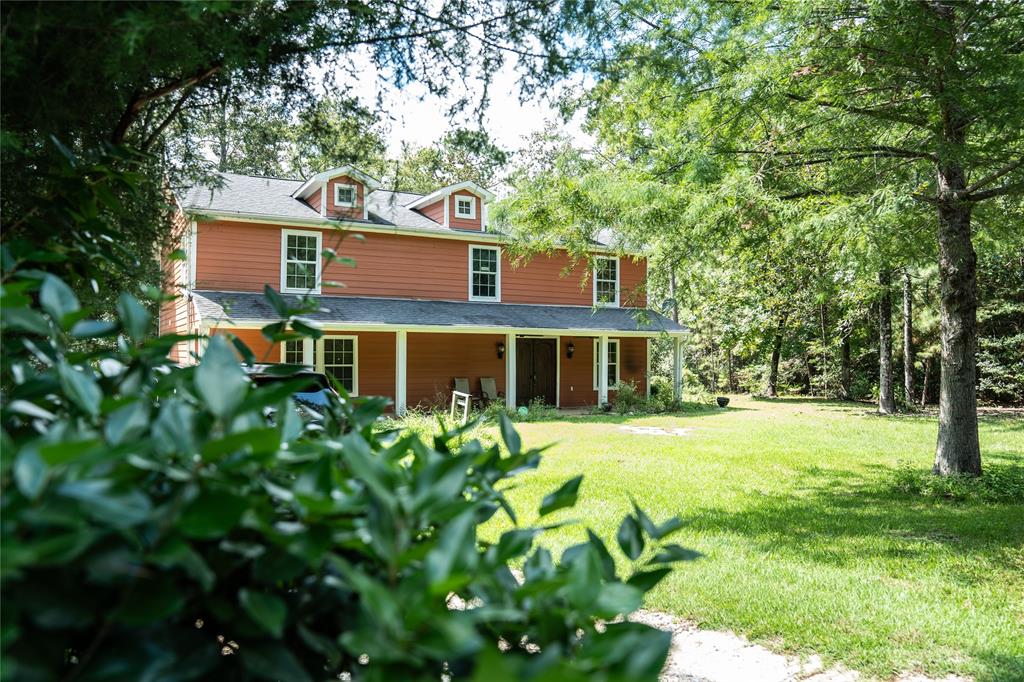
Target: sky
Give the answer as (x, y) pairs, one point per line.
(421, 118)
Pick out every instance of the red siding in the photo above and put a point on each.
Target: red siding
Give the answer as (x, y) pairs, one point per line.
(176, 316)
(236, 256)
(434, 360)
(434, 211)
(474, 224)
(577, 374)
(345, 211)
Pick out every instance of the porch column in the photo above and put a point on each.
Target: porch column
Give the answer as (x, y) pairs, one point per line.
(510, 371)
(647, 375)
(677, 368)
(308, 352)
(401, 348)
(602, 370)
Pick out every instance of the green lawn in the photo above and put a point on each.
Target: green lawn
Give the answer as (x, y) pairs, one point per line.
(807, 548)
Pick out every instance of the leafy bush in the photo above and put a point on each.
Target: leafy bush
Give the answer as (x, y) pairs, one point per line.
(997, 483)
(628, 399)
(156, 525)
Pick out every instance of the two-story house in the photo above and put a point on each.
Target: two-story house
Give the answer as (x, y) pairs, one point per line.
(428, 295)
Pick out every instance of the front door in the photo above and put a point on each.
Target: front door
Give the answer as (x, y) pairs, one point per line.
(536, 370)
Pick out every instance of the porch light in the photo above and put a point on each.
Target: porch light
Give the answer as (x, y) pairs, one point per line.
(501, 349)
(570, 349)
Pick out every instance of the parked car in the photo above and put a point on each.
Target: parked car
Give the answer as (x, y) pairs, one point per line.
(315, 395)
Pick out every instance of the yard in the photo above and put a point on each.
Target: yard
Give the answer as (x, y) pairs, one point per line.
(808, 547)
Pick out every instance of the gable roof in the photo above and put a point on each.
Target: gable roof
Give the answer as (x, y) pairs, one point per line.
(313, 183)
(437, 195)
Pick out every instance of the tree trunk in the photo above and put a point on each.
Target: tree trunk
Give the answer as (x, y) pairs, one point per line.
(845, 390)
(886, 402)
(732, 373)
(908, 341)
(773, 372)
(924, 385)
(957, 450)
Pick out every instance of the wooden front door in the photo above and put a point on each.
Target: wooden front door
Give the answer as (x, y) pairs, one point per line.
(536, 370)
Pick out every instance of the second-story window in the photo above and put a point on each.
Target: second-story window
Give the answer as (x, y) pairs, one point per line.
(465, 207)
(606, 281)
(344, 196)
(300, 261)
(484, 273)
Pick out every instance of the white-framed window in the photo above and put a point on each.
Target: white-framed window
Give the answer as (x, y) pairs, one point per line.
(339, 357)
(300, 261)
(465, 207)
(345, 196)
(293, 353)
(484, 273)
(613, 363)
(606, 281)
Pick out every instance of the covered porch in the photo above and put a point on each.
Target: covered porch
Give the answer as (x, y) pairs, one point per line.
(412, 350)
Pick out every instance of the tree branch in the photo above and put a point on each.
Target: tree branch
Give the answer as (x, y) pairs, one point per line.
(1013, 188)
(873, 113)
(140, 100)
(994, 175)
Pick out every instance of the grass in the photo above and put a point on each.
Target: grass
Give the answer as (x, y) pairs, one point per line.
(809, 546)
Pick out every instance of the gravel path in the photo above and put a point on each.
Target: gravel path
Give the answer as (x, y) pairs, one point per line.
(715, 656)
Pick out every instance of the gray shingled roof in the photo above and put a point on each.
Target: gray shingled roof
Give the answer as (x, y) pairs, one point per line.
(272, 197)
(252, 307)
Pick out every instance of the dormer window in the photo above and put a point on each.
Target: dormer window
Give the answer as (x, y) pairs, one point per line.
(344, 196)
(606, 281)
(465, 207)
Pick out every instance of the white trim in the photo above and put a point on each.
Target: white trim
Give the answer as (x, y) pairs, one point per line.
(510, 370)
(468, 186)
(472, 206)
(497, 287)
(602, 369)
(323, 198)
(677, 368)
(338, 223)
(446, 223)
(647, 375)
(338, 203)
(618, 279)
(322, 367)
(305, 190)
(193, 251)
(401, 371)
(618, 363)
(483, 218)
(285, 233)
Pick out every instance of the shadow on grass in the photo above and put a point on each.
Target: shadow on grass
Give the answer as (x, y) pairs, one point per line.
(843, 518)
(1000, 666)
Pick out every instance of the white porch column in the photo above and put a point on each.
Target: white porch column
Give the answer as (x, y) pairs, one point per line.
(602, 370)
(647, 375)
(308, 352)
(401, 351)
(510, 371)
(677, 368)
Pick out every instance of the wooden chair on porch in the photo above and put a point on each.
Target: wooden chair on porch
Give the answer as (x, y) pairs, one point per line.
(462, 386)
(489, 389)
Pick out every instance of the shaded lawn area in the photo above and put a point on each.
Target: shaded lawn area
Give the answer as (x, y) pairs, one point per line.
(808, 548)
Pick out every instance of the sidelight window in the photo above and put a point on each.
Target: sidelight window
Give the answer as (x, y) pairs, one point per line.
(613, 363)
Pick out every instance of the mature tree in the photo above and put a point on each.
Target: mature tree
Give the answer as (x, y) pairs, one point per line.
(458, 155)
(839, 98)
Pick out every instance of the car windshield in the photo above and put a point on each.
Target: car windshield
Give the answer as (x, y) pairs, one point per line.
(315, 394)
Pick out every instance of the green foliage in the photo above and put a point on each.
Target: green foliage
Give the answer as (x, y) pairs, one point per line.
(998, 483)
(1001, 327)
(628, 398)
(152, 513)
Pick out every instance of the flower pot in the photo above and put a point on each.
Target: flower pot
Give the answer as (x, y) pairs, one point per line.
(722, 401)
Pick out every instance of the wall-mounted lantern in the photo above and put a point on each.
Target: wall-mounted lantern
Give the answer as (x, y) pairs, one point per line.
(501, 349)
(570, 349)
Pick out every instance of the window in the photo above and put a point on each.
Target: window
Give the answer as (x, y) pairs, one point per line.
(344, 195)
(484, 273)
(338, 358)
(293, 352)
(300, 261)
(465, 207)
(613, 363)
(606, 281)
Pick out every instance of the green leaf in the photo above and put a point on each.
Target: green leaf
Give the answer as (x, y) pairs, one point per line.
(30, 473)
(646, 580)
(127, 423)
(94, 329)
(268, 610)
(211, 515)
(656, 532)
(273, 661)
(618, 598)
(564, 497)
(57, 298)
(99, 501)
(220, 379)
(151, 601)
(584, 577)
(673, 553)
(509, 435)
(80, 388)
(631, 541)
(134, 318)
(276, 301)
(455, 548)
(25, 320)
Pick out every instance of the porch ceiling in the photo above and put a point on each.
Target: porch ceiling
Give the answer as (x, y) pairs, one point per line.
(250, 308)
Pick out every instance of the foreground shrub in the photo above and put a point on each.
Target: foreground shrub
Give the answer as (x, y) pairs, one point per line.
(159, 525)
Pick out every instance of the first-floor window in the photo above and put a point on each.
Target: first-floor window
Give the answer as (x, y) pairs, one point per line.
(293, 352)
(338, 358)
(300, 261)
(613, 363)
(484, 273)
